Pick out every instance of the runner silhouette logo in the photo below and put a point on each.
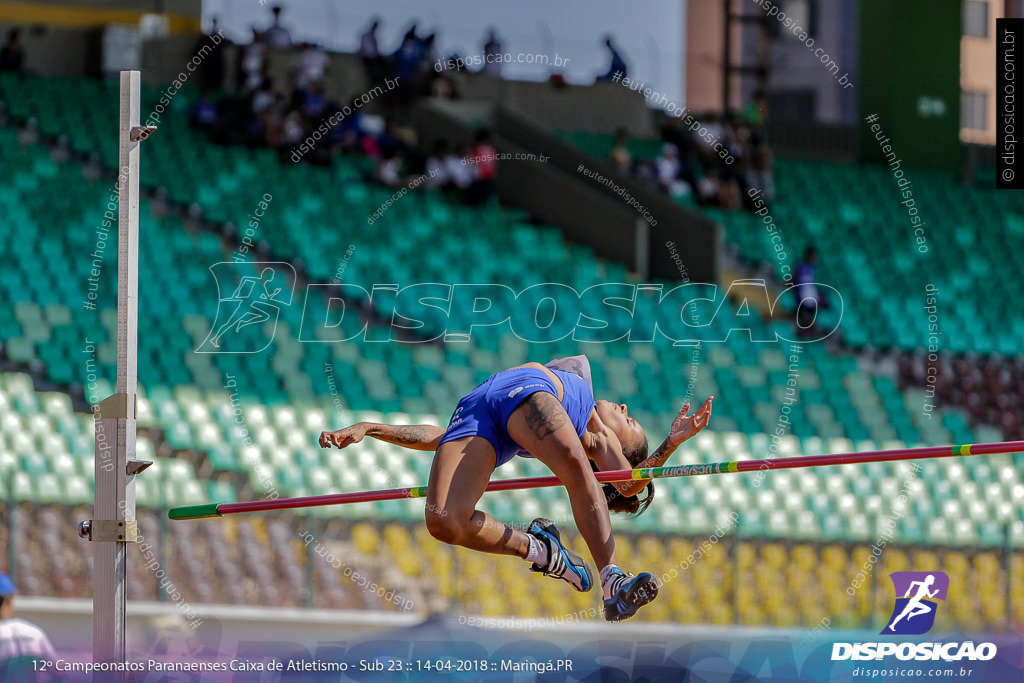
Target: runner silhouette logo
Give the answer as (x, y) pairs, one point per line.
(250, 298)
(917, 596)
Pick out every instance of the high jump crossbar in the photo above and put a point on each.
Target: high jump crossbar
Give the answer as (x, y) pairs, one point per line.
(221, 509)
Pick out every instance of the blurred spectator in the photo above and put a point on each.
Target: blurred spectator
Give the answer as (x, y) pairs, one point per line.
(618, 64)
(429, 54)
(442, 87)
(620, 155)
(311, 100)
(717, 166)
(730, 197)
(12, 55)
(808, 298)
(460, 175)
(707, 188)
(368, 41)
(21, 642)
(204, 112)
(369, 53)
(760, 174)
(407, 56)
(253, 63)
(292, 131)
(482, 157)
(389, 171)
(277, 36)
(558, 81)
(389, 139)
(309, 65)
(714, 130)
(717, 191)
(754, 111)
(211, 71)
(668, 167)
(265, 96)
(347, 135)
(737, 138)
(435, 168)
(492, 54)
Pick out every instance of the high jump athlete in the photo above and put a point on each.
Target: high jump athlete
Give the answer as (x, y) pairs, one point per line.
(546, 412)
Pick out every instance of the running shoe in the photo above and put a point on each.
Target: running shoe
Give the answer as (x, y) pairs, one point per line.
(562, 563)
(628, 594)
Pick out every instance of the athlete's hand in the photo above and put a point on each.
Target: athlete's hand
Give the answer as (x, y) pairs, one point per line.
(344, 437)
(685, 426)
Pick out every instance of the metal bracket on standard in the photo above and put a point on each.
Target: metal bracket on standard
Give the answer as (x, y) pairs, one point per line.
(109, 530)
(117, 406)
(136, 466)
(140, 133)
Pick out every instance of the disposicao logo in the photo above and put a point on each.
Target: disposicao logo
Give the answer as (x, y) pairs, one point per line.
(914, 612)
(917, 600)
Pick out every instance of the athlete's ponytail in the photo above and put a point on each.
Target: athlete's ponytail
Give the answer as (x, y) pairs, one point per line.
(631, 505)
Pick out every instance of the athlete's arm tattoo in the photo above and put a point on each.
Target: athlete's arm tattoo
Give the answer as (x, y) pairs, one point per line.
(409, 434)
(659, 456)
(417, 437)
(544, 414)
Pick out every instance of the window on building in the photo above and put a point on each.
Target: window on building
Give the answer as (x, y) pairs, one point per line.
(973, 110)
(803, 13)
(791, 105)
(976, 18)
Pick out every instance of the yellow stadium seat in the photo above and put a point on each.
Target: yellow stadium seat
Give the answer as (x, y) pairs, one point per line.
(408, 563)
(398, 538)
(651, 549)
(493, 606)
(366, 539)
(895, 560)
(925, 558)
(679, 548)
(773, 555)
(658, 611)
(956, 563)
(721, 614)
(805, 557)
(987, 564)
(624, 550)
(834, 556)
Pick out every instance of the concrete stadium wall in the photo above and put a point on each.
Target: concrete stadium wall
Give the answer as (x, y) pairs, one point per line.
(68, 622)
(228, 628)
(584, 644)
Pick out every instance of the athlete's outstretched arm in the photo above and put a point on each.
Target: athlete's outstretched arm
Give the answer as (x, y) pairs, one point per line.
(416, 437)
(683, 427)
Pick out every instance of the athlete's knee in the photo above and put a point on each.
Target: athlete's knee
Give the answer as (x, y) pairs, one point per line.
(445, 527)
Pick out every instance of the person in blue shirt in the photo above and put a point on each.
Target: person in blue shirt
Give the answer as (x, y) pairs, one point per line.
(618, 64)
(809, 298)
(547, 412)
(23, 645)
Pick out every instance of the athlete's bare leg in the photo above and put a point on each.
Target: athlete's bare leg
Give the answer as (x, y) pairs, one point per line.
(541, 426)
(458, 477)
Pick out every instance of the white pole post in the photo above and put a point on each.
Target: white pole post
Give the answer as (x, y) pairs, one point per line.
(114, 525)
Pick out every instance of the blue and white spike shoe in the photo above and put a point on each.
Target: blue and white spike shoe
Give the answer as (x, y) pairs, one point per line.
(628, 593)
(562, 563)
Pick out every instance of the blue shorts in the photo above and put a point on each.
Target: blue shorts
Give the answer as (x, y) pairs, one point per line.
(485, 410)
